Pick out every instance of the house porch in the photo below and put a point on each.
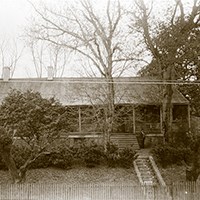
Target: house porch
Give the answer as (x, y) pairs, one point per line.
(87, 122)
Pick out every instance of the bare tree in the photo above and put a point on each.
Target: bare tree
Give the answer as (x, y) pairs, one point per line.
(44, 54)
(58, 59)
(37, 52)
(102, 40)
(165, 45)
(10, 54)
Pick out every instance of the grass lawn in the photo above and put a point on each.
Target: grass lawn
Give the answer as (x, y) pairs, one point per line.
(77, 175)
(73, 184)
(173, 174)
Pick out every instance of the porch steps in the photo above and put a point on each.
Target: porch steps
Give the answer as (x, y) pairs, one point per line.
(147, 171)
(125, 140)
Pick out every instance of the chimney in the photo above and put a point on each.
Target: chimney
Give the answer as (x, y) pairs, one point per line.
(50, 73)
(6, 73)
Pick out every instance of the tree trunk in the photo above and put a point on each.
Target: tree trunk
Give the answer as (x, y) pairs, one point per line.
(193, 172)
(167, 106)
(110, 108)
(10, 163)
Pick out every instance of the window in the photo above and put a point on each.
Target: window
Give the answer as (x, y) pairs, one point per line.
(180, 112)
(148, 113)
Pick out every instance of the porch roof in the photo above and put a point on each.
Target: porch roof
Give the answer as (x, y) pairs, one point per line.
(87, 91)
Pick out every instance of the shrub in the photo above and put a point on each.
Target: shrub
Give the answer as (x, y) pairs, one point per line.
(116, 157)
(168, 154)
(183, 138)
(2, 164)
(78, 150)
(43, 161)
(61, 156)
(84, 152)
(112, 154)
(126, 157)
(92, 153)
(63, 160)
(36, 120)
(20, 154)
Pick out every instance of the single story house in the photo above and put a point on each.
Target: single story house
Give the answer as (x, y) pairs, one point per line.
(138, 105)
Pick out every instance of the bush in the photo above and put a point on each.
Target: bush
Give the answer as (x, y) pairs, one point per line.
(78, 150)
(2, 164)
(42, 161)
(61, 156)
(126, 157)
(112, 154)
(168, 154)
(63, 160)
(84, 152)
(183, 138)
(20, 154)
(92, 153)
(116, 157)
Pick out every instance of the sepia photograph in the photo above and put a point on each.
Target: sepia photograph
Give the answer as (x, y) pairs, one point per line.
(99, 100)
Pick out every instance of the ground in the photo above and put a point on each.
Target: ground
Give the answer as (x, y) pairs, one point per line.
(173, 174)
(78, 175)
(102, 175)
(97, 175)
(170, 174)
(79, 183)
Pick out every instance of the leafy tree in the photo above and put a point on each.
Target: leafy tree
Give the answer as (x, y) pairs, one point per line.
(28, 118)
(192, 93)
(174, 47)
(175, 50)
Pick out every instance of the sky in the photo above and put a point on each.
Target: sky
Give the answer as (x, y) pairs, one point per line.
(15, 15)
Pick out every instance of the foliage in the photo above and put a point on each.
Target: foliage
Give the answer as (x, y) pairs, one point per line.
(5, 140)
(112, 154)
(64, 156)
(20, 153)
(192, 93)
(126, 157)
(183, 139)
(177, 44)
(30, 114)
(61, 155)
(36, 122)
(185, 150)
(169, 154)
(174, 46)
(92, 153)
(2, 164)
(62, 159)
(116, 157)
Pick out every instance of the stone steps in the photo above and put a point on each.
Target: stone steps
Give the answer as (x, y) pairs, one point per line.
(145, 171)
(125, 140)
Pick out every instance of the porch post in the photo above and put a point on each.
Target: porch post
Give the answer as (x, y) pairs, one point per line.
(171, 115)
(189, 119)
(79, 118)
(161, 120)
(133, 119)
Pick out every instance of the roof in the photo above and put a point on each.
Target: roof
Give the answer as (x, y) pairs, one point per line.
(87, 91)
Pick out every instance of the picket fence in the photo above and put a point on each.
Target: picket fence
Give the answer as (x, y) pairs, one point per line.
(183, 191)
